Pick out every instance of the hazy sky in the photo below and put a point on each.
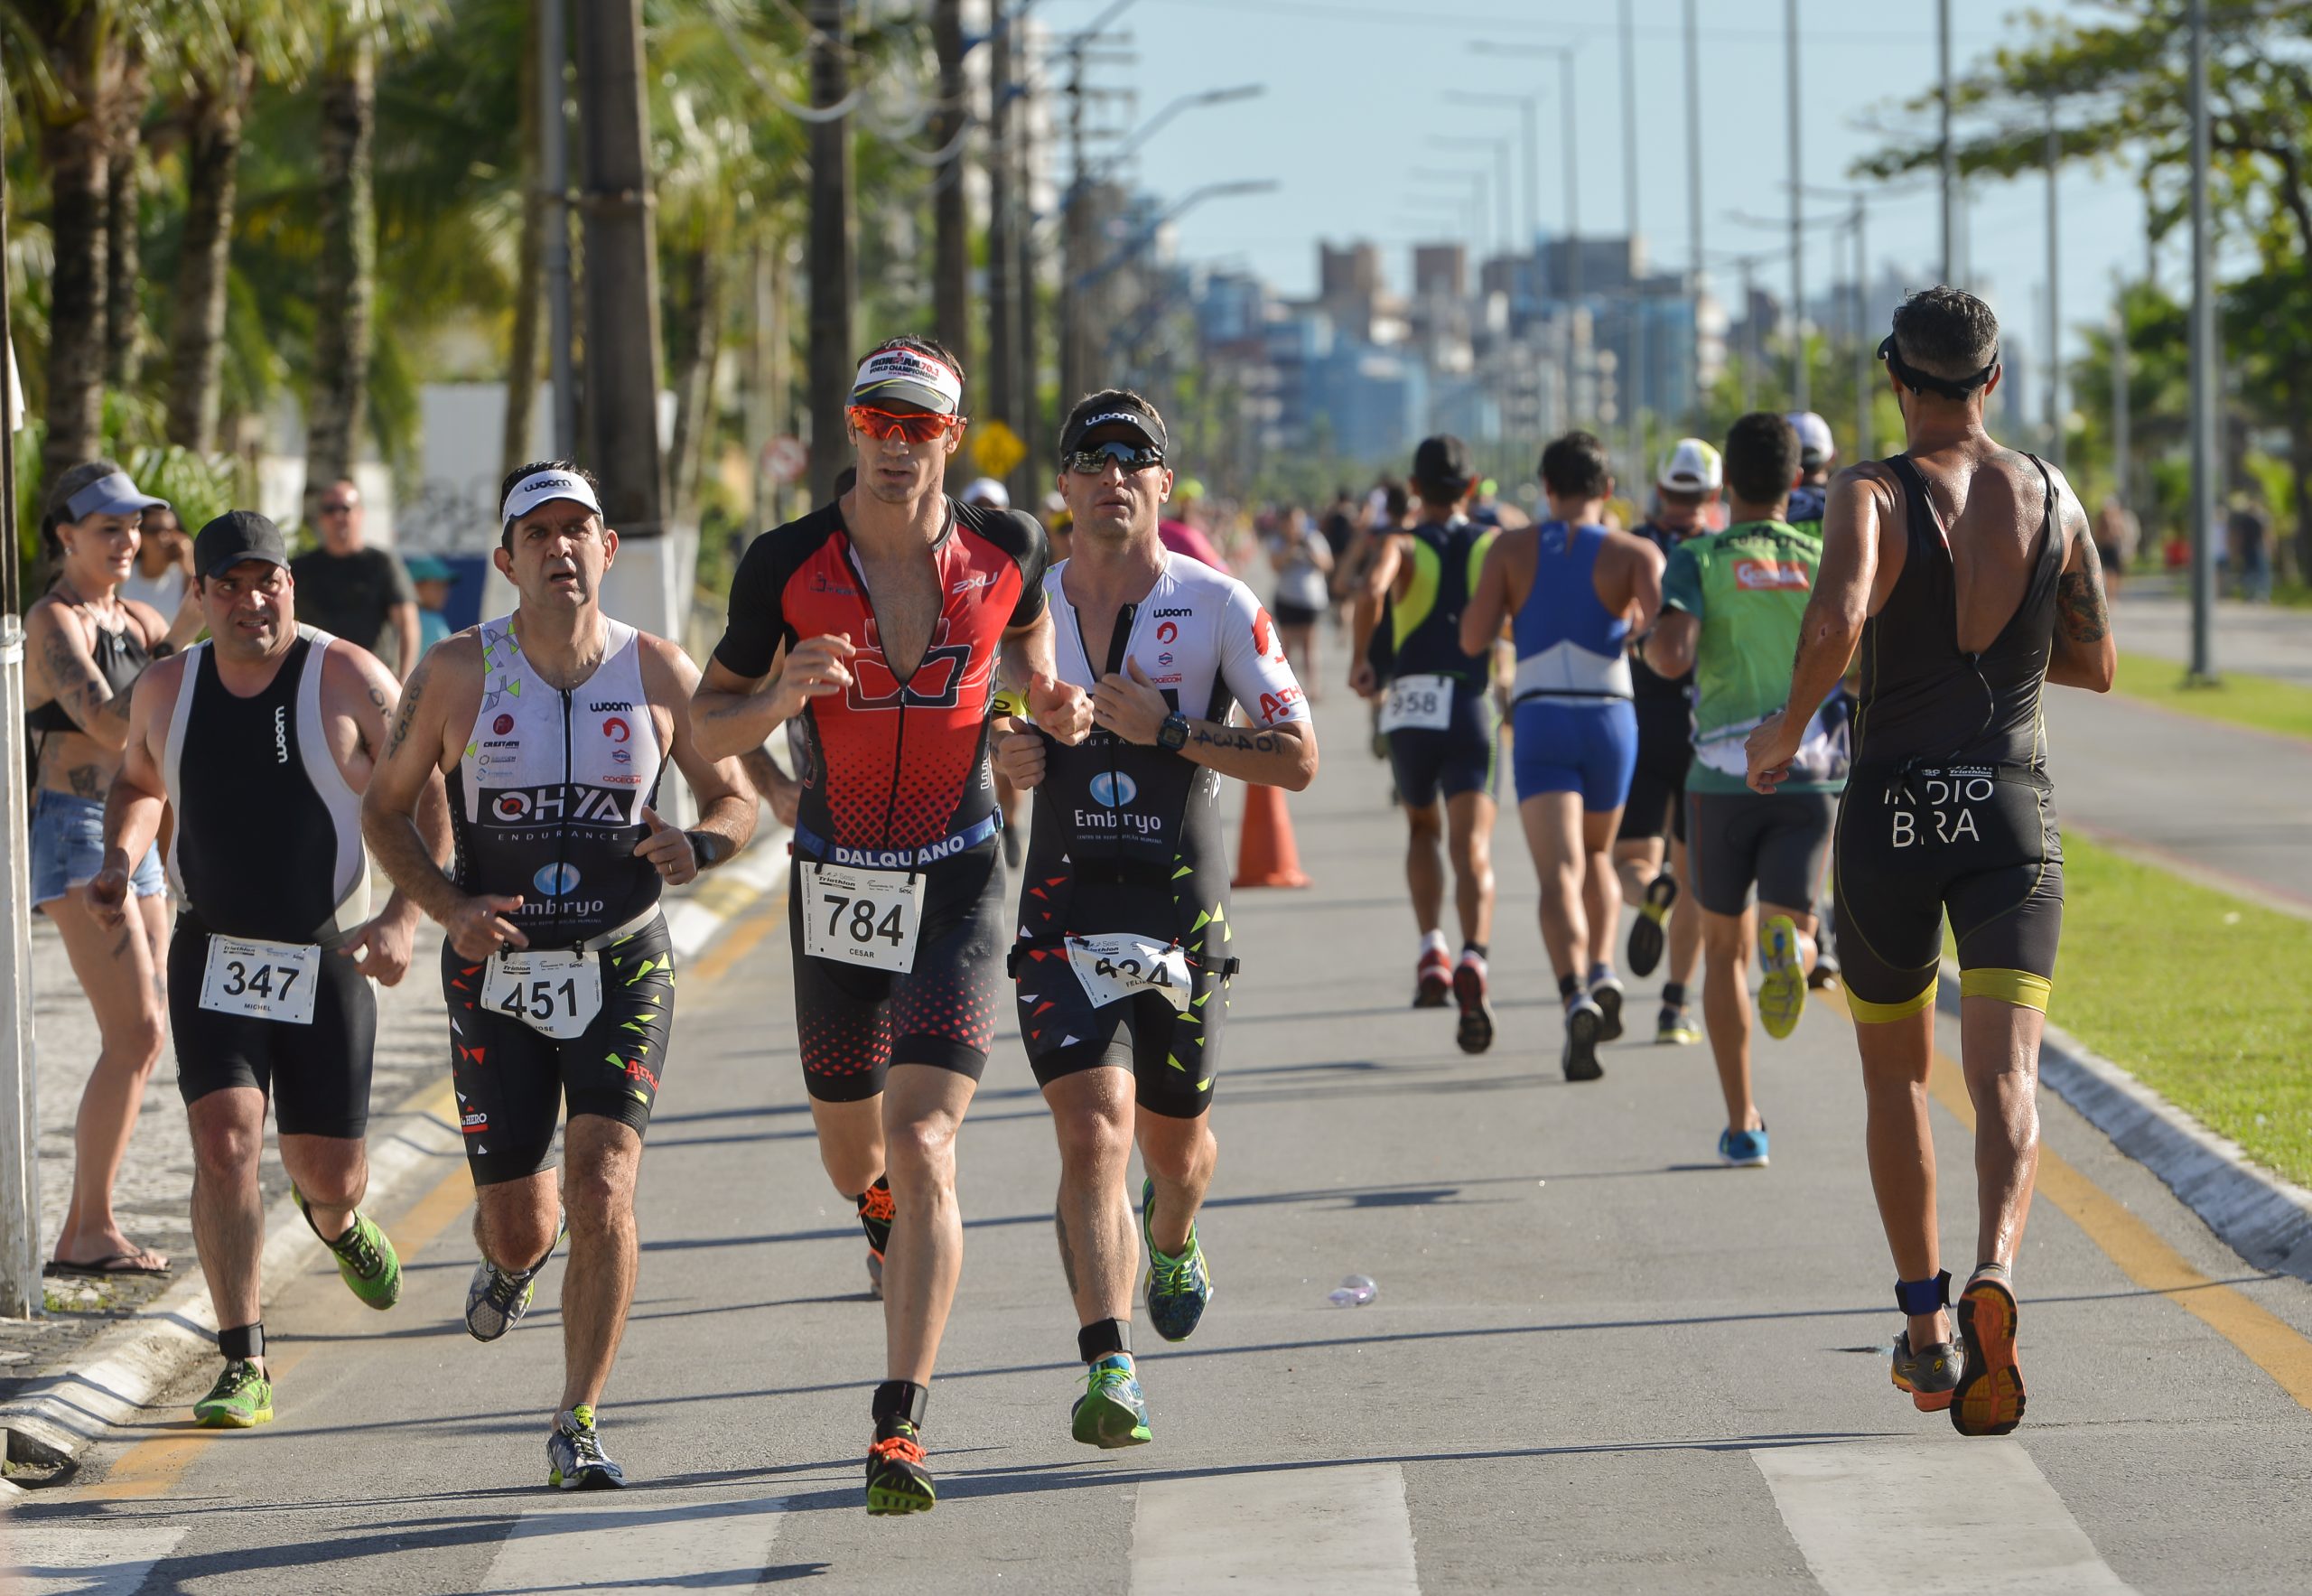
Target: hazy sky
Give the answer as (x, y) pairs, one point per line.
(1357, 88)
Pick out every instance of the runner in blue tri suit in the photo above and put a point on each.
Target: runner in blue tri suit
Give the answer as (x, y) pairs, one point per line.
(1573, 591)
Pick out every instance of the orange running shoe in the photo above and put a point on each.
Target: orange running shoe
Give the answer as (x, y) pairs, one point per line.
(1989, 1399)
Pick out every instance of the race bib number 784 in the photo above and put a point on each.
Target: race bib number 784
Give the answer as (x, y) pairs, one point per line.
(860, 917)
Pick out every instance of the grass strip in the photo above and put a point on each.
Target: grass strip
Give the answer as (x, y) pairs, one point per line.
(2196, 993)
(2237, 698)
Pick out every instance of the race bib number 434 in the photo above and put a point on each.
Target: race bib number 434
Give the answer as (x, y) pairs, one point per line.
(263, 980)
(860, 917)
(1418, 704)
(1115, 966)
(555, 991)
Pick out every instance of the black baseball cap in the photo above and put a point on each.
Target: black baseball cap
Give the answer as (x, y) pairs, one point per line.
(235, 536)
(1099, 410)
(1442, 462)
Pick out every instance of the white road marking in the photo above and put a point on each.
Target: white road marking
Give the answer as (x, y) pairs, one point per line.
(635, 1541)
(1341, 1530)
(106, 1558)
(1923, 1518)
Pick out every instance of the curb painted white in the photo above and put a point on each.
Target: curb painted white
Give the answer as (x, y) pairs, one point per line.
(115, 1379)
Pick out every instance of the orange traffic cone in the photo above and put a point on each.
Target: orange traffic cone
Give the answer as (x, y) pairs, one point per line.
(1266, 856)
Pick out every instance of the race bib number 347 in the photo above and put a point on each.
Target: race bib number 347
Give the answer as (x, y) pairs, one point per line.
(860, 917)
(263, 980)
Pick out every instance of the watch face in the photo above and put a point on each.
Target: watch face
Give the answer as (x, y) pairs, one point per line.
(1174, 733)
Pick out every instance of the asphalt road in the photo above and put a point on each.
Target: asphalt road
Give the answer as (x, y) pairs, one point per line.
(1597, 1362)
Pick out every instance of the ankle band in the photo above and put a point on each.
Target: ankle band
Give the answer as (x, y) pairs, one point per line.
(1104, 1338)
(242, 1343)
(897, 1400)
(1918, 1298)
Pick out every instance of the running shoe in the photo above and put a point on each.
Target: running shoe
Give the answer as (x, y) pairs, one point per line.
(241, 1399)
(1931, 1374)
(496, 1299)
(1826, 971)
(1782, 994)
(366, 1260)
(1180, 1289)
(1990, 1396)
(1645, 938)
(1476, 1032)
(1432, 979)
(897, 1480)
(1112, 1412)
(574, 1458)
(1743, 1149)
(1583, 1022)
(1608, 995)
(875, 1211)
(1675, 1027)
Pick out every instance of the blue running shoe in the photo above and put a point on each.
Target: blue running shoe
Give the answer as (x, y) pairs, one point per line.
(574, 1459)
(1178, 1289)
(1743, 1149)
(1112, 1412)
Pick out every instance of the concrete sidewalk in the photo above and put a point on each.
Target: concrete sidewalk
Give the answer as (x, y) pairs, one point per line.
(2153, 615)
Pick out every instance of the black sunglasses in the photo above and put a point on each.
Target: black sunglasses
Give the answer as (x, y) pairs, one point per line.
(1130, 458)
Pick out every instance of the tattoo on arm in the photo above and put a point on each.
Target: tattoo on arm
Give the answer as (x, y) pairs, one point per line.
(1236, 737)
(2080, 607)
(412, 691)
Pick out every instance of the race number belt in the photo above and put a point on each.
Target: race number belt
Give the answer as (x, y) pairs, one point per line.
(1117, 965)
(555, 991)
(1418, 704)
(860, 917)
(261, 980)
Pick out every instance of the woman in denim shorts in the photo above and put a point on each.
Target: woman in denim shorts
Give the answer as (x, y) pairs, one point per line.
(86, 647)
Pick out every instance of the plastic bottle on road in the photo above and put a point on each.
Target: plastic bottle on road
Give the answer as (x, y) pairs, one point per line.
(1353, 1292)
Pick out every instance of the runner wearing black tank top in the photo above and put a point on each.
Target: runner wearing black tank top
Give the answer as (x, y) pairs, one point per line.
(260, 743)
(1964, 573)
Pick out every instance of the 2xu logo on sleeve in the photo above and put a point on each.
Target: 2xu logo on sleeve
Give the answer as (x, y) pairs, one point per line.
(1947, 811)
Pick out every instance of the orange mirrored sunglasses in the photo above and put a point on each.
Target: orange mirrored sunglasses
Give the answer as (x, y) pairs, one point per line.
(916, 426)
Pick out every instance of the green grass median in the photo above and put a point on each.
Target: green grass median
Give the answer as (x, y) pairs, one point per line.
(2237, 698)
(2201, 994)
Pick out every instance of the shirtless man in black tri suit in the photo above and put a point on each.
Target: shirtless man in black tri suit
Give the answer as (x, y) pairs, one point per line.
(1964, 573)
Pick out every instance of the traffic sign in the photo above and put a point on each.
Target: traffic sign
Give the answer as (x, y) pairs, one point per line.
(997, 448)
(785, 459)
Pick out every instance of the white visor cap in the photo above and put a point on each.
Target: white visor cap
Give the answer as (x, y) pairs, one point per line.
(909, 378)
(538, 486)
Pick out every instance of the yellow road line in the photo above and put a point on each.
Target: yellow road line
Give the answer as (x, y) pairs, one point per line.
(2269, 1341)
(153, 1468)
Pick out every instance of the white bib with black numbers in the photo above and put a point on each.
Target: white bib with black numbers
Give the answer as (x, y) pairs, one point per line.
(1117, 964)
(1418, 704)
(860, 917)
(261, 980)
(555, 991)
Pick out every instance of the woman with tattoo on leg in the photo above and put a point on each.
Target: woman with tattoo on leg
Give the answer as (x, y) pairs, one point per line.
(87, 646)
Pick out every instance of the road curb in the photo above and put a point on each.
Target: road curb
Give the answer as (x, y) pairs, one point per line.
(2263, 1216)
(114, 1379)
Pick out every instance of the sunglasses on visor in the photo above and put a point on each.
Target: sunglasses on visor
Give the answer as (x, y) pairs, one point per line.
(916, 426)
(1130, 459)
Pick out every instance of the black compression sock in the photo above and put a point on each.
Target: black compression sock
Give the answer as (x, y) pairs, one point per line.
(879, 1231)
(1104, 1338)
(1568, 987)
(898, 1401)
(1674, 994)
(1477, 947)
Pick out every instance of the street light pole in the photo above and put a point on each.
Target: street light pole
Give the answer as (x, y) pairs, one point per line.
(1798, 385)
(2204, 379)
(20, 1277)
(554, 128)
(2055, 296)
(1862, 448)
(1633, 384)
(1943, 160)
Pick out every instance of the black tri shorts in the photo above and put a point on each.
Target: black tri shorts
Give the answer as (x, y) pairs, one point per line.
(512, 1082)
(316, 1075)
(1972, 842)
(1739, 840)
(853, 1022)
(1657, 788)
(1173, 1054)
(1463, 756)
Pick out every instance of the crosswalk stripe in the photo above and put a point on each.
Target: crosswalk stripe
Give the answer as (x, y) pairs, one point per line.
(635, 1541)
(1931, 1517)
(106, 1558)
(1339, 1529)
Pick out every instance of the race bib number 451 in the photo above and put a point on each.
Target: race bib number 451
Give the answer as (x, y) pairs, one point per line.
(555, 991)
(263, 980)
(1418, 704)
(860, 917)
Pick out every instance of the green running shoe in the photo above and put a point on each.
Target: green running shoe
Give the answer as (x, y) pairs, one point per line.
(241, 1399)
(1178, 1289)
(364, 1258)
(897, 1480)
(574, 1459)
(1112, 1412)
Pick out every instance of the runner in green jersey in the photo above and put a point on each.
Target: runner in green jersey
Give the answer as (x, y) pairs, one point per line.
(1730, 607)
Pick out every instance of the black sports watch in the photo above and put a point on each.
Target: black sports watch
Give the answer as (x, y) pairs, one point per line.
(1174, 732)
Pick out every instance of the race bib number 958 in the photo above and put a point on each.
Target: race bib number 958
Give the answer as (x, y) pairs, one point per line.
(860, 917)
(262, 980)
(1418, 704)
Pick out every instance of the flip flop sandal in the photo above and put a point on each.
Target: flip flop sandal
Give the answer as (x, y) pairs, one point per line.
(111, 1264)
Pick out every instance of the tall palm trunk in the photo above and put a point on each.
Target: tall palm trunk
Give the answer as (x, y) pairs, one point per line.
(346, 291)
(197, 327)
(695, 346)
(74, 146)
(124, 299)
(529, 267)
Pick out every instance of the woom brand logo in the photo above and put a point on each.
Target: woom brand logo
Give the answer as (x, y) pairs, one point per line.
(280, 733)
(1175, 614)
